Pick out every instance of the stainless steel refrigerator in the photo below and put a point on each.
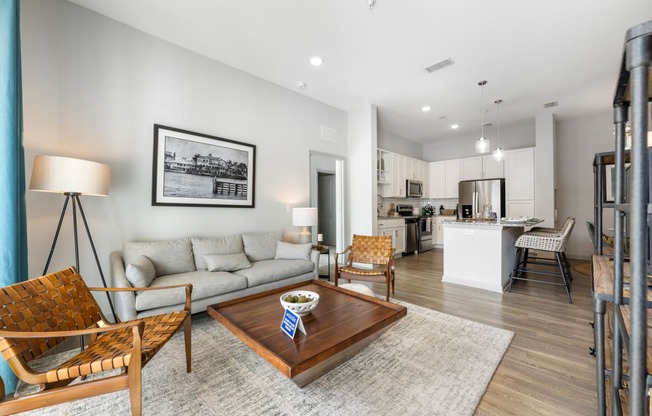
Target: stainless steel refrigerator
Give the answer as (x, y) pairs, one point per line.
(481, 198)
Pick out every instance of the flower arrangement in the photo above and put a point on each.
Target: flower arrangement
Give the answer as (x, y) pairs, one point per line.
(428, 210)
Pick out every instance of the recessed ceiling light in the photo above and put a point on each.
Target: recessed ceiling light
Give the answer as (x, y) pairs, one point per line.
(301, 85)
(455, 126)
(425, 108)
(316, 61)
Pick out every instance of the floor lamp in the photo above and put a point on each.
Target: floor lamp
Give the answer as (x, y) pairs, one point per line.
(73, 178)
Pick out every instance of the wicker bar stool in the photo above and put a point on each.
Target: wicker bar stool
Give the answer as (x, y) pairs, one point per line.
(550, 241)
(545, 231)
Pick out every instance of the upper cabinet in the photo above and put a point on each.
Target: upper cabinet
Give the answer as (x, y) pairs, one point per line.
(444, 178)
(480, 167)
(395, 169)
(492, 168)
(519, 174)
(471, 168)
(452, 178)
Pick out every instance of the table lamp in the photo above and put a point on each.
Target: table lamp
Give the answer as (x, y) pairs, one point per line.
(304, 217)
(73, 178)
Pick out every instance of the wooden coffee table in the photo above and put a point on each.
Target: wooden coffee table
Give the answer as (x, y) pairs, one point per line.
(342, 324)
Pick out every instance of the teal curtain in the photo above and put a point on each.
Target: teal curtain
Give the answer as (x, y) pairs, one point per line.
(13, 229)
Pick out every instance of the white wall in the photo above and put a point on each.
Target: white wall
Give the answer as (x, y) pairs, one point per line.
(93, 89)
(398, 144)
(578, 140)
(544, 170)
(362, 169)
(513, 136)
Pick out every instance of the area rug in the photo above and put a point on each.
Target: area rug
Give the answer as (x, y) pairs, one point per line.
(429, 363)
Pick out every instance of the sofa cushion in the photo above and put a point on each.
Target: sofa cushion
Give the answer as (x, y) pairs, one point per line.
(266, 271)
(168, 257)
(204, 284)
(289, 251)
(140, 272)
(226, 262)
(229, 244)
(261, 246)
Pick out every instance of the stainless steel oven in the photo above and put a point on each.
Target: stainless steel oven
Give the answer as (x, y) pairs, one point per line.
(425, 234)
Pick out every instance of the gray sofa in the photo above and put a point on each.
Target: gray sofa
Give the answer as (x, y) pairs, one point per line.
(272, 265)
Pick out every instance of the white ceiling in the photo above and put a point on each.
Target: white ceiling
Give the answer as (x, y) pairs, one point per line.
(530, 52)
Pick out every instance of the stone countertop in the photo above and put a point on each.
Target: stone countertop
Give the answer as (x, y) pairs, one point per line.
(530, 222)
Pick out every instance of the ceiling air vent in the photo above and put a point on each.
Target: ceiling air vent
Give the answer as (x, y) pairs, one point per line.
(439, 65)
(551, 104)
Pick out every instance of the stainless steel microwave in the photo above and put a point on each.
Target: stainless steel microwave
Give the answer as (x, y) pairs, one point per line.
(413, 189)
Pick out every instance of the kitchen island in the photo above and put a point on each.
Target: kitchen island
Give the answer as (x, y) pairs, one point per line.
(480, 253)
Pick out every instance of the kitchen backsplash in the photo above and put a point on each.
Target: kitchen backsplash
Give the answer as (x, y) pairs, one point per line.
(385, 204)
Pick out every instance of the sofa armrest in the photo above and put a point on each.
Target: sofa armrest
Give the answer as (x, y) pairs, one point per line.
(314, 257)
(125, 302)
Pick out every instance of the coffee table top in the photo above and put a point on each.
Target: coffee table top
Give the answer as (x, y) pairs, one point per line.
(341, 320)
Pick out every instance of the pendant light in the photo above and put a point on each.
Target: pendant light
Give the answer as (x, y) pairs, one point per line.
(498, 154)
(482, 145)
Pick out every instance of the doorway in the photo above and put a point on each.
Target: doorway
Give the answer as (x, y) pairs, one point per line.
(326, 205)
(327, 194)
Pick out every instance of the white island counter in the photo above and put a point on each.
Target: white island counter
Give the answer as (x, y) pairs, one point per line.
(481, 253)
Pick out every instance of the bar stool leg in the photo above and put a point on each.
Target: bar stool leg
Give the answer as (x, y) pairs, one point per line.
(562, 269)
(517, 261)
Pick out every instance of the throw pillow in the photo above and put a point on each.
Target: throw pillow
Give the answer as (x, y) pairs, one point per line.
(226, 262)
(261, 246)
(288, 251)
(140, 272)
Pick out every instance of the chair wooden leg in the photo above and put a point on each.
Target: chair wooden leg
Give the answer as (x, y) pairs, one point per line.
(393, 282)
(134, 374)
(187, 326)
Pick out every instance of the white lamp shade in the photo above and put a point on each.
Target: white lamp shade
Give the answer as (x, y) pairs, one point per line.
(65, 174)
(304, 217)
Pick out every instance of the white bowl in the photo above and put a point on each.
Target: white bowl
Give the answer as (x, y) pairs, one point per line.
(301, 309)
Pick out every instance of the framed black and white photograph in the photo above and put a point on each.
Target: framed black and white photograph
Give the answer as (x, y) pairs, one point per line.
(200, 170)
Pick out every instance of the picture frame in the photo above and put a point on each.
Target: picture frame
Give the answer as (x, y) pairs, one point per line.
(200, 170)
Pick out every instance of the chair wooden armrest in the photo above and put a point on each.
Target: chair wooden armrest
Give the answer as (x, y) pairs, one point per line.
(73, 333)
(188, 286)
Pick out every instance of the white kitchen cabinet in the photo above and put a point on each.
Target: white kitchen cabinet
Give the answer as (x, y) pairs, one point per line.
(396, 229)
(519, 208)
(471, 168)
(437, 185)
(491, 168)
(519, 174)
(452, 178)
(425, 175)
(411, 168)
(398, 176)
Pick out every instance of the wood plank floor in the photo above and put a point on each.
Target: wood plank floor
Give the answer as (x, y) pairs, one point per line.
(547, 369)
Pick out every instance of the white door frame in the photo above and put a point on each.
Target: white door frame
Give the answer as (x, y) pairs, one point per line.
(339, 163)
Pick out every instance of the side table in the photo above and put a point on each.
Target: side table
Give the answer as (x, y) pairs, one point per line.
(324, 250)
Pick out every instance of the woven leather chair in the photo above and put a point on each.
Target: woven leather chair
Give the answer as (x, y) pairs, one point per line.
(40, 313)
(551, 241)
(374, 250)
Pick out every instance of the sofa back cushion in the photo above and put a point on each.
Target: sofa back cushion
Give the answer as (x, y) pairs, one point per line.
(261, 246)
(168, 257)
(230, 244)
